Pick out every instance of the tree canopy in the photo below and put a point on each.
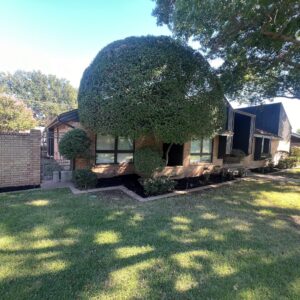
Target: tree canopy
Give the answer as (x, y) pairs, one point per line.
(151, 86)
(74, 144)
(46, 95)
(259, 41)
(14, 115)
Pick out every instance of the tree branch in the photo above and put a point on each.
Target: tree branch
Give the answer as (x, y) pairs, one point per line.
(280, 37)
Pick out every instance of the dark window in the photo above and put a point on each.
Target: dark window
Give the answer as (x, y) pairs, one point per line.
(201, 151)
(175, 157)
(222, 146)
(111, 150)
(257, 149)
(266, 146)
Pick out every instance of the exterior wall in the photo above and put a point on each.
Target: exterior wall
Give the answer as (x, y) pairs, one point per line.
(20, 155)
(285, 132)
(249, 162)
(186, 170)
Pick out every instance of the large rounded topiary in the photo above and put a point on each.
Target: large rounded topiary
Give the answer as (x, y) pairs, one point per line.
(151, 85)
(74, 144)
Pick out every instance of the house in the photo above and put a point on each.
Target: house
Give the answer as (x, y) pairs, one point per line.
(114, 155)
(295, 140)
(272, 135)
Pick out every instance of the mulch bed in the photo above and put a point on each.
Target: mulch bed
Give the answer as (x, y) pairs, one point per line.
(132, 182)
(265, 170)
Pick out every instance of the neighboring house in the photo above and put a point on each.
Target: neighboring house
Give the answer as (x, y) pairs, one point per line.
(114, 156)
(295, 140)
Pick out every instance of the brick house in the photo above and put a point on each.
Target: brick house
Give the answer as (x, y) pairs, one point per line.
(114, 155)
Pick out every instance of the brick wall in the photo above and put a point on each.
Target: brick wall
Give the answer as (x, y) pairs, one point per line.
(20, 159)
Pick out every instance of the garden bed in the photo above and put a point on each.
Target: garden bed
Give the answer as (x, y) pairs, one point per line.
(132, 183)
(263, 170)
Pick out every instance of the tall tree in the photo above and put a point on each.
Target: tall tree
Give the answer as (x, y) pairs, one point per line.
(46, 95)
(14, 115)
(259, 41)
(151, 86)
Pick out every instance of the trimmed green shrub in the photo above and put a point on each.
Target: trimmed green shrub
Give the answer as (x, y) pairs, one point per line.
(147, 161)
(295, 151)
(84, 179)
(287, 163)
(74, 144)
(238, 153)
(151, 85)
(157, 186)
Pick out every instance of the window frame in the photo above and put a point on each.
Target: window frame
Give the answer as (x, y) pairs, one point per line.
(201, 153)
(115, 152)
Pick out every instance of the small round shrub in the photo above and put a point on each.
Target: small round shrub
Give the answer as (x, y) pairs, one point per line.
(238, 153)
(84, 179)
(157, 186)
(147, 161)
(74, 144)
(287, 163)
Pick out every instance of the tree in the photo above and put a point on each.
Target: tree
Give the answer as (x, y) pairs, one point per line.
(74, 144)
(259, 41)
(298, 131)
(151, 86)
(46, 95)
(14, 115)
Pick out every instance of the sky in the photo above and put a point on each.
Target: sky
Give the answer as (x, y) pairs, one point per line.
(62, 37)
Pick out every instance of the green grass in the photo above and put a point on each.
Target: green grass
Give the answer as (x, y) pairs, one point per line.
(293, 173)
(238, 242)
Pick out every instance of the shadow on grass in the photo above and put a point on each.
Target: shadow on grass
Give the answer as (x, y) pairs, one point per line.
(233, 243)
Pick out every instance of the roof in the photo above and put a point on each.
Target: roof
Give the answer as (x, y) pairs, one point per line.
(296, 135)
(65, 117)
(264, 133)
(295, 138)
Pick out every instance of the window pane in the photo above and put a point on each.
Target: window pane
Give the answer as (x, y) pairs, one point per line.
(266, 148)
(104, 158)
(194, 159)
(195, 146)
(206, 148)
(105, 142)
(205, 158)
(125, 157)
(125, 144)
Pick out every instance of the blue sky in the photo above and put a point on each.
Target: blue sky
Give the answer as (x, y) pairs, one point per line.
(62, 37)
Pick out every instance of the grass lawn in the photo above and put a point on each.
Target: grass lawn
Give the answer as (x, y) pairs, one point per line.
(238, 242)
(293, 173)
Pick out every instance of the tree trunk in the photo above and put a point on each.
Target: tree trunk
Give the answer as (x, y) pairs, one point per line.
(167, 153)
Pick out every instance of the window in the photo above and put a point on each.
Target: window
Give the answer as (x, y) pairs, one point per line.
(201, 151)
(110, 150)
(262, 148)
(266, 146)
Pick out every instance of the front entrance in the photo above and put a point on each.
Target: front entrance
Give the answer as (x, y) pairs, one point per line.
(175, 154)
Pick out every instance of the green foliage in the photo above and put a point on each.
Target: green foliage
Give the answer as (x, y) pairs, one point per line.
(295, 151)
(84, 179)
(151, 86)
(50, 165)
(46, 95)
(157, 186)
(74, 144)
(238, 153)
(287, 163)
(255, 38)
(14, 115)
(298, 130)
(147, 161)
